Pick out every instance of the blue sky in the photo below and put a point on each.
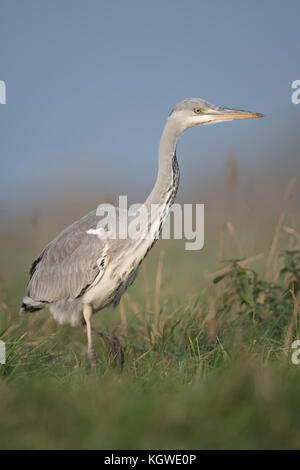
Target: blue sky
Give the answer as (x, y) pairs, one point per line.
(90, 84)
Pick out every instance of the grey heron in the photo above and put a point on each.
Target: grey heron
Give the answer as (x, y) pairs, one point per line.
(78, 273)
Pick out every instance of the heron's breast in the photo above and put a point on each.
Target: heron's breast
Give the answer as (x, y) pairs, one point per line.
(119, 274)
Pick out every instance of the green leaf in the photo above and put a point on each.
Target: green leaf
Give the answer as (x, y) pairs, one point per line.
(219, 278)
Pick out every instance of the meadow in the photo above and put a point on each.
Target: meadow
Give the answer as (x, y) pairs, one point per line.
(207, 338)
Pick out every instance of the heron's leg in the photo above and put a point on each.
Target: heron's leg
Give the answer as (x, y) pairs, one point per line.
(115, 351)
(87, 313)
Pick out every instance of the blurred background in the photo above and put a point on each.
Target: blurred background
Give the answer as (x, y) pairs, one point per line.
(90, 85)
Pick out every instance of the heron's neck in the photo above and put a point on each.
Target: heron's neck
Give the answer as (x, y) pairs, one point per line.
(167, 181)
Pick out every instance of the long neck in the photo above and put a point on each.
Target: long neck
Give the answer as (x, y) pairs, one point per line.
(167, 181)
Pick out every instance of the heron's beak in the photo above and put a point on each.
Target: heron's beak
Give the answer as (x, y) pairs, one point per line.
(225, 114)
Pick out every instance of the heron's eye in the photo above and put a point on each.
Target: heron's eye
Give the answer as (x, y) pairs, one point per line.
(198, 110)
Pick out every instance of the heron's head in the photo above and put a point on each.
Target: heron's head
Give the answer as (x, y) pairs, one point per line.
(195, 112)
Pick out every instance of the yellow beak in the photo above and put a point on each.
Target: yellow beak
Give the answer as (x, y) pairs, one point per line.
(226, 114)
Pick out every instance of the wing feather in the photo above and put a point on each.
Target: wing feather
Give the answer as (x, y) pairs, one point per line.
(69, 264)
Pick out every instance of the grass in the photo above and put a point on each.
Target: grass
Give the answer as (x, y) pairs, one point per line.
(205, 367)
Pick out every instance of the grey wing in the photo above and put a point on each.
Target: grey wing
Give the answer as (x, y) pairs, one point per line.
(69, 264)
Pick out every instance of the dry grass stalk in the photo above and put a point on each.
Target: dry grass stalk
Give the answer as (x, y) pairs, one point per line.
(134, 307)
(147, 291)
(272, 263)
(137, 311)
(221, 247)
(289, 190)
(270, 268)
(211, 321)
(294, 236)
(123, 316)
(243, 263)
(232, 170)
(233, 233)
